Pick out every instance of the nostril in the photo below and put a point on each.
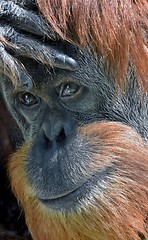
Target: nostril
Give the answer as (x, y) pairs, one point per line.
(61, 136)
(53, 135)
(48, 142)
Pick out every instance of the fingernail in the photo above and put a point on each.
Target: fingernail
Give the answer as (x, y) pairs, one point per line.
(71, 63)
(64, 62)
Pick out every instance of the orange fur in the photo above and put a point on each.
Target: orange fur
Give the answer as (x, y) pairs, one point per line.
(119, 212)
(116, 29)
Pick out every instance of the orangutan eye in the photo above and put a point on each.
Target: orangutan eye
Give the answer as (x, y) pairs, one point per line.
(67, 89)
(28, 99)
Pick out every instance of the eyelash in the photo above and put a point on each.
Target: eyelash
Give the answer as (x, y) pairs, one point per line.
(65, 90)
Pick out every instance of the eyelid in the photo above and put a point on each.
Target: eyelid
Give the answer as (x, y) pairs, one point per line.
(19, 90)
(23, 87)
(19, 94)
(74, 87)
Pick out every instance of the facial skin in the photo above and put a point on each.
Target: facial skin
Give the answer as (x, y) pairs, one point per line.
(81, 170)
(66, 161)
(56, 116)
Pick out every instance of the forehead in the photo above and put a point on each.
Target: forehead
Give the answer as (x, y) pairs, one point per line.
(89, 69)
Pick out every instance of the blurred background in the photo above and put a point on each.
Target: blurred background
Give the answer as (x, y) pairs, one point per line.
(12, 224)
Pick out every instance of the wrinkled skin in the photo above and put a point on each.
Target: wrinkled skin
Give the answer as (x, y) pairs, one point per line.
(17, 17)
(22, 33)
(64, 117)
(23, 45)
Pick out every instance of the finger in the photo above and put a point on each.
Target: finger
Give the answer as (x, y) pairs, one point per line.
(33, 49)
(25, 20)
(14, 70)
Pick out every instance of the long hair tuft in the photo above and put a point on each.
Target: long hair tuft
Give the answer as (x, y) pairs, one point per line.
(116, 29)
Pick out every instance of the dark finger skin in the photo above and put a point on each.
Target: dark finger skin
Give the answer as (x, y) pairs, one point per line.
(25, 20)
(38, 51)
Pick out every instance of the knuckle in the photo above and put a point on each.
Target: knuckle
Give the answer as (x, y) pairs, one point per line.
(9, 8)
(4, 6)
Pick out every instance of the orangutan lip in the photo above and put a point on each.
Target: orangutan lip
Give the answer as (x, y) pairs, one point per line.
(60, 196)
(62, 202)
(73, 199)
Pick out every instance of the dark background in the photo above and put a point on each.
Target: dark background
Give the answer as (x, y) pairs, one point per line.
(12, 224)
